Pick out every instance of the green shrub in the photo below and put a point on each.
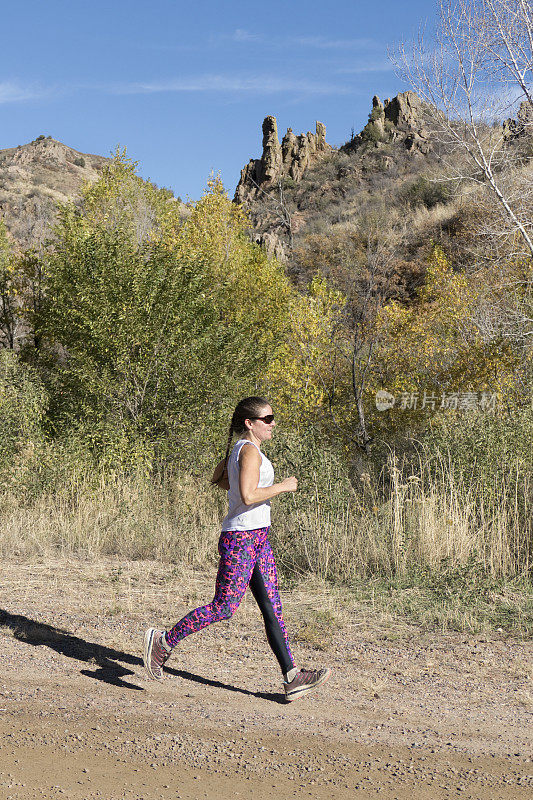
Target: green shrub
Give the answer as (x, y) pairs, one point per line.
(371, 133)
(423, 192)
(79, 162)
(23, 404)
(376, 113)
(289, 183)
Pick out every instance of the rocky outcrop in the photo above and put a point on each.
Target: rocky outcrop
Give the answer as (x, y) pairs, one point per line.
(275, 245)
(400, 119)
(278, 215)
(521, 126)
(289, 159)
(404, 110)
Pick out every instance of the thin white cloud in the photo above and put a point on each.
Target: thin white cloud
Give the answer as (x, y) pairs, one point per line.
(261, 84)
(358, 69)
(14, 92)
(323, 43)
(241, 35)
(312, 42)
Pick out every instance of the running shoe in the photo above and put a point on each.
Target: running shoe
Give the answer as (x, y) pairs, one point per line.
(155, 653)
(304, 682)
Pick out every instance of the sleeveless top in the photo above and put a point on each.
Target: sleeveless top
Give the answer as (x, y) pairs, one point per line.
(241, 517)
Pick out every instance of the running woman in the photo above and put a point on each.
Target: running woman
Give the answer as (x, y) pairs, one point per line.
(246, 557)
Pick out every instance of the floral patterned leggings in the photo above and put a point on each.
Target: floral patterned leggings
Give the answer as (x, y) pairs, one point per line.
(246, 559)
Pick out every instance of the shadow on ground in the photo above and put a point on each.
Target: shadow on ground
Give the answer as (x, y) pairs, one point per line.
(105, 659)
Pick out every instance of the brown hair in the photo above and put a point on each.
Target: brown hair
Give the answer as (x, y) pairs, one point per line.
(247, 408)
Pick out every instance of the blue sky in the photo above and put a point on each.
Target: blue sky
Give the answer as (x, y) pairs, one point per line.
(185, 86)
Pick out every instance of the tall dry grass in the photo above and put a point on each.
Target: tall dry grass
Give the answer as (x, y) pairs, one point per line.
(410, 523)
(129, 516)
(395, 526)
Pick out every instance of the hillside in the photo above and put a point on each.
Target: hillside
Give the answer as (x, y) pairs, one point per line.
(319, 207)
(34, 177)
(311, 205)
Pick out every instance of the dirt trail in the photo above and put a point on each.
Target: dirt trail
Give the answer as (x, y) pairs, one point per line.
(423, 717)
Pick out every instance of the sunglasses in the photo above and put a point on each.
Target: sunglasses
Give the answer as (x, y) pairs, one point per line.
(267, 420)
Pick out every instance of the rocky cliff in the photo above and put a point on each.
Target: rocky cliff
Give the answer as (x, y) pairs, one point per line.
(398, 120)
(401, 119)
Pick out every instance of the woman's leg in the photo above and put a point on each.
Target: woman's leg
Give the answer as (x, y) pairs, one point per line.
(238, 554)
(264, 586)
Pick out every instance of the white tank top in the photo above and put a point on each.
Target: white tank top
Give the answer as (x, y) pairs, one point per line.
(241, 517)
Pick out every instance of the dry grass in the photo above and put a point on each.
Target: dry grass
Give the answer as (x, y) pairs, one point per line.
(411, 524)
(431, 218)
(420, 550)
(178, 522)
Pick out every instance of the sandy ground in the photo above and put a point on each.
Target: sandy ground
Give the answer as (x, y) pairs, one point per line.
(405, 714)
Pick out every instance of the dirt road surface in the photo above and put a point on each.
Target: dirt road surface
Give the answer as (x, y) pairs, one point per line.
(405, 716)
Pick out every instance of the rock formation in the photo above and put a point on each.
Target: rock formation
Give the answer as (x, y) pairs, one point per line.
(399, 119)
(522, 125)
(289, 159)
(395, 126)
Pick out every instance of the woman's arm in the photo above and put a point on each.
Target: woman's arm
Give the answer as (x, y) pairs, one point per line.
(220, 476)
(250, 461)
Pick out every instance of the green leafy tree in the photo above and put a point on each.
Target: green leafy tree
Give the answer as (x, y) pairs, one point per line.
(154, 325)
(10, 290)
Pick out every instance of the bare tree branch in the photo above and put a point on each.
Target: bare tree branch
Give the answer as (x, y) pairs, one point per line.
(477, 65)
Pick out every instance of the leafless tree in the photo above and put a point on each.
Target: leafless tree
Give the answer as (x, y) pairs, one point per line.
(277, 206)
(471, 73)
(508, 41)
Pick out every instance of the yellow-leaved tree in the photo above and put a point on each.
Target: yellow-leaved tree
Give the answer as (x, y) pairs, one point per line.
(436, 348)
(251, 291)
(306, 370)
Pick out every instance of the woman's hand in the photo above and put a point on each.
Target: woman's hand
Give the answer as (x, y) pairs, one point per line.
(289, 484)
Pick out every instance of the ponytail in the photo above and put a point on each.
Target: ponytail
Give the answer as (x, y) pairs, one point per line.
(217, 478)
(246, 409)
(230, 437)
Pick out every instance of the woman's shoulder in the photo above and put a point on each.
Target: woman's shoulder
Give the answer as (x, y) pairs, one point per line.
(249, 452)
(239, 447)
